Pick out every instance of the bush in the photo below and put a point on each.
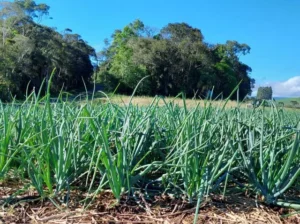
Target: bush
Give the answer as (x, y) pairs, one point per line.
(294, 103)
(264, 93)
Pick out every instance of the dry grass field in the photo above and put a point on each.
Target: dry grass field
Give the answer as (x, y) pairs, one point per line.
(190, 103)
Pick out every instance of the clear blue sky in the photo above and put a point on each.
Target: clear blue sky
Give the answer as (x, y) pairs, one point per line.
(270, 27)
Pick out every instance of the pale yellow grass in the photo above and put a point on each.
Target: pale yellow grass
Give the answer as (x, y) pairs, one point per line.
(145, 101)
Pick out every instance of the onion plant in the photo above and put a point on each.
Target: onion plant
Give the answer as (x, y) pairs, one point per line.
(270, 155)
(92, 146)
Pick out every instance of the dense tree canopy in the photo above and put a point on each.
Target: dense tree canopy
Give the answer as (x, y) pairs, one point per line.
(264, 93)
(30, 51)
(176, 58)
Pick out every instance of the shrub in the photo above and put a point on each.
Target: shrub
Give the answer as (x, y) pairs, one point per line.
(264, 93)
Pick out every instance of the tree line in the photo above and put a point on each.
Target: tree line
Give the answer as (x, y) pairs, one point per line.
(30, 51)
(175, 58)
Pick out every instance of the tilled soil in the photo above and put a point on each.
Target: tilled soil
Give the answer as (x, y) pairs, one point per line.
(162, 209)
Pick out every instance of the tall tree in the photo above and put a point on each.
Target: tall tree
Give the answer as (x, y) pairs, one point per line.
(118, 57)
(30, 51)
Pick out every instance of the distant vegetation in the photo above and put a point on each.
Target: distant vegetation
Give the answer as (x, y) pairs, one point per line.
(176, 58)
(289, 102)
(264, 93)
(29, 52)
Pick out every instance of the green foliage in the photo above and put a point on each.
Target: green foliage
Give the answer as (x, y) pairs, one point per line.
(177, 60)
(187, 152)
(264, 93)
(294, 103)
(30, 51)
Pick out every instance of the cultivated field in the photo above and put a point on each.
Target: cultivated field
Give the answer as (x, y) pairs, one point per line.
(161, 161)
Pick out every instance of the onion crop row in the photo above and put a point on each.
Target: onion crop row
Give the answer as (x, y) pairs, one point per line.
(190, 152)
